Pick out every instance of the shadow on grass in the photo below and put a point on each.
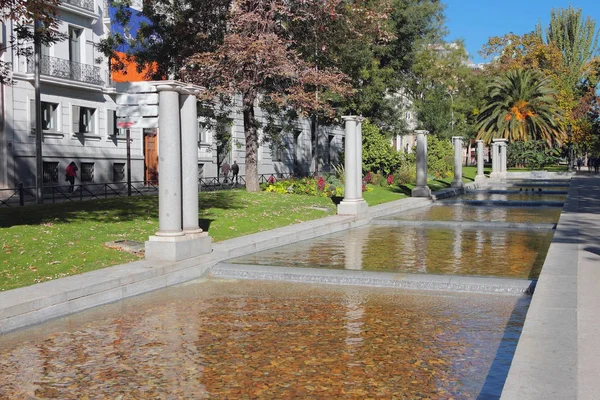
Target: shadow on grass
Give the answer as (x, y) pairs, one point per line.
(109, 210)
(403, 189)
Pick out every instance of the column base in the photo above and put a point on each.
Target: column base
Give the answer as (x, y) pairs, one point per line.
(352, 207)
(457, 184)
(421, 191)
(480, 178)
(177, 248)
(495, 175)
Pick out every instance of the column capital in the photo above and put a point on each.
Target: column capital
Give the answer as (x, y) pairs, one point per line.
(167, 87)
(422, 132)
(457, 137)
(355, 118)
(500, 140)
(479, 141)
(177, 86)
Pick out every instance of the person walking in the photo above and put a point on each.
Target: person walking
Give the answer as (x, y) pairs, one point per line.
(225, 170)
(235, 170)
(71, 173)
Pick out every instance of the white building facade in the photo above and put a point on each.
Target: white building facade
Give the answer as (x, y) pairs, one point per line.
(79, 119)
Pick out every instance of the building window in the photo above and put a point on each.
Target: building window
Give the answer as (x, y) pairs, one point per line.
(200, 171)
(330, 149)
(49, 115)
(111, 125)
(84, 119)
(202, 132)
(118, 172)
(50, 170)
(276, 152)
(74, 46)
(87, 172)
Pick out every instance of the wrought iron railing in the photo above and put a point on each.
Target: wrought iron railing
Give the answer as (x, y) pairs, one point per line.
(85, 4)
(22, 195)
(61, 68)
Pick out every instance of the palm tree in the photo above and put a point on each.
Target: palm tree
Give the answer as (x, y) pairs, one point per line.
(521, 106)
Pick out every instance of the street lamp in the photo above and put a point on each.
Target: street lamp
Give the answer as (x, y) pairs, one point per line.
(569, 134)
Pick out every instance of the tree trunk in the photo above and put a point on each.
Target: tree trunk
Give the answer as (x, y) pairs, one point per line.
(251, 134)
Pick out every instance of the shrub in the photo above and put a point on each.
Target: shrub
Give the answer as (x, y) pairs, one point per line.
(306, 186)
(378, 153)
(406, 174)
(440, 157)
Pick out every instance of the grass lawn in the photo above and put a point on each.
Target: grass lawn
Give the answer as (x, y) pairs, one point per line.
(45, 242)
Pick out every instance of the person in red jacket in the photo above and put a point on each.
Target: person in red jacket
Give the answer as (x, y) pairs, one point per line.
(71, 174)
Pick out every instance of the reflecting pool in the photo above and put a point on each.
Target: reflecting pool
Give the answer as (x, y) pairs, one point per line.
(462, 212)
(410, 249)
(265, 340)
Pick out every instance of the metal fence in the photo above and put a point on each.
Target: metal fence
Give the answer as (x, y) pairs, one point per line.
(22, 195)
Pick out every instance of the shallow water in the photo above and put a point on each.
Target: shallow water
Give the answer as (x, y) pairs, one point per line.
(266, 340)
(483, 252)
(461, 212)
(518, 196)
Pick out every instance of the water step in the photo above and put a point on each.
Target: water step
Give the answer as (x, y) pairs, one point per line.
(451, 283)
(465, 224)
(506, 203)
(530, 192)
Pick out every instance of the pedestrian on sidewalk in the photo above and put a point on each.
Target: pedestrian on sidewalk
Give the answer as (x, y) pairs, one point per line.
(225, 169)
(235, 170)
(71, 173)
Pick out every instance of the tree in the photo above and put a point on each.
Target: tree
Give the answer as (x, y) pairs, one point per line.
(521, 106)
(256, 60)
(23, 14)
(576, 39)
(169, 32)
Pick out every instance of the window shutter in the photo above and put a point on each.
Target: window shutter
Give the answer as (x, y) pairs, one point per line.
(75, 118)
(32, 116)
(110, 114)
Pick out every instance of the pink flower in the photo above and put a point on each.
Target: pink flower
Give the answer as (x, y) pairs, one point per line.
(390, 179)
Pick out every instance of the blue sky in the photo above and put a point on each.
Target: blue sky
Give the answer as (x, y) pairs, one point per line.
(476, 20)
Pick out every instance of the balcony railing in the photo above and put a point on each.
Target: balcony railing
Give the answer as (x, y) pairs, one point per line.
(85, 4)
(65, 69)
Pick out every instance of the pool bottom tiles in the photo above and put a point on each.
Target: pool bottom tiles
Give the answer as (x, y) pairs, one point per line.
(219, 339)
(411, 249)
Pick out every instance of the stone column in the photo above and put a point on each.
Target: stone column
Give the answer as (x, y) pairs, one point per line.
(169, 167)
(353, 203)
(421, 190)
(171, 243)
(457, 182)
(495, 160)
(480, 176)
(502, 160)
(189, 160)
(359, 158)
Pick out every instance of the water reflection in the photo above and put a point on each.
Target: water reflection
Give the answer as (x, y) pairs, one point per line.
(483, 252)
(228, 339)
(446, 212)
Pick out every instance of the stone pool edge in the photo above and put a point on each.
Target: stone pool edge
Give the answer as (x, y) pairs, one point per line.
(31, 305)
(558, 354)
